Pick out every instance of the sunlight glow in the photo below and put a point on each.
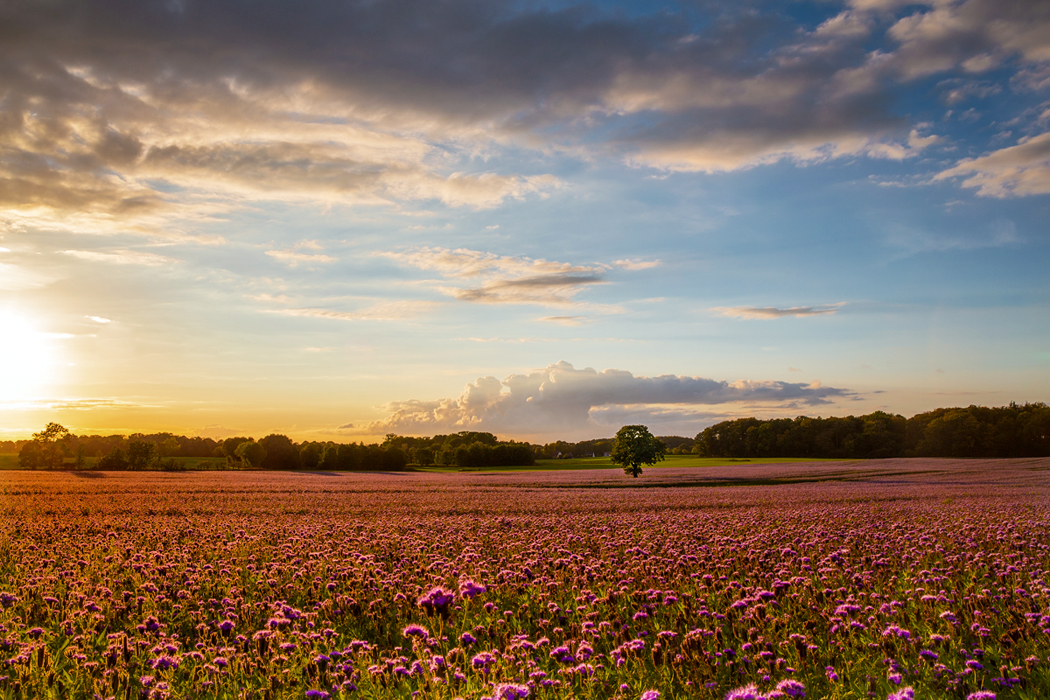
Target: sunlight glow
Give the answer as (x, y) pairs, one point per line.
(27, 358)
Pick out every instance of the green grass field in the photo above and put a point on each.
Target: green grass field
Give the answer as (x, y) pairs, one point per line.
(547, 465)
(10, 461)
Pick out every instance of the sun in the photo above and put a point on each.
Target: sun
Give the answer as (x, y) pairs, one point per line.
(27, 358)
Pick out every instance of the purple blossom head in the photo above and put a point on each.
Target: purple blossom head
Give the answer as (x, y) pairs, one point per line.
(317, 695)
(745, 692)
(510, 691)
(470, 589)
(792, 688)
(650, 695)
(905, 693)
(415, 630)
(436, 599)
(981, 695)
(226, 626)
(466, 639)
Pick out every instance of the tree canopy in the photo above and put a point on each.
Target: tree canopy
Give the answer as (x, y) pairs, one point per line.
(634, 446)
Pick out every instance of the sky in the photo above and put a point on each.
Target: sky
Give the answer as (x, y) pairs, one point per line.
(338, 220)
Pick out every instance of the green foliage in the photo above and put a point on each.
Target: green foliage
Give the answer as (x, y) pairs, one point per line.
(141, 454)
(115, 460)
(634, 446)
(281, 453)
(47, 450)
(976, 431)
(251, 453)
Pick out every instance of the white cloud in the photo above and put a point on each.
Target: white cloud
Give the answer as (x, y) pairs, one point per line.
(293, 258)
(562, 398)
(123, 257)
(636, 264)
(1015, 171)
(14, 278)
(99, 319)
(506, 279)
(565, 320)
(382, 311)
(770, 312)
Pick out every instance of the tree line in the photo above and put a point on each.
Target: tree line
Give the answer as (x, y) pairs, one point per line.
(976, 431)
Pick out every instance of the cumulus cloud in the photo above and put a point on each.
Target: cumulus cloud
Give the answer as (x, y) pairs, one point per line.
(560, 397)
(504, 279)
(1015, 171)
(770, 312)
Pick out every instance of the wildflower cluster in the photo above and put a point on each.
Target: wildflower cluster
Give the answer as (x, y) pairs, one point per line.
(245, 585)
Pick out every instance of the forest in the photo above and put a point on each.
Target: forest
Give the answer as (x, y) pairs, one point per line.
(976, 431)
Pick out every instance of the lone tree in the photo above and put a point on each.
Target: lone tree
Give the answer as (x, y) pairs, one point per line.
(634, 446)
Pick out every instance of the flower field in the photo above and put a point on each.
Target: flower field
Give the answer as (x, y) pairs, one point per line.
(884, 579)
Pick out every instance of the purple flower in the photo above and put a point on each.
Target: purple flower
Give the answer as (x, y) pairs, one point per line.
(792, 688)
(483, 660)
(905, 693)
(317, 695)
(467, 639)
(469, 589)
(436, 600)
(981, 695)
(414, 630)
(650, 695)
(510, 691)
(746, 692)
(226, 626)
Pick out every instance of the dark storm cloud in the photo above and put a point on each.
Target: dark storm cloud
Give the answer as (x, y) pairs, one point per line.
(350, 100)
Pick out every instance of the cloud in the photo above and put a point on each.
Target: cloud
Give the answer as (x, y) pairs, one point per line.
(770, 312)
(122, 257)
(99, 319)
(218, 432)
(565, 320)
(506, 279)
(69, 404)
(637, 264)
(562, 398)
(912, 240)
(1015, 171)
(957, 90)
(14, 278)
(293, 258)
(976, 36)
(383, 311)
(120, 111)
